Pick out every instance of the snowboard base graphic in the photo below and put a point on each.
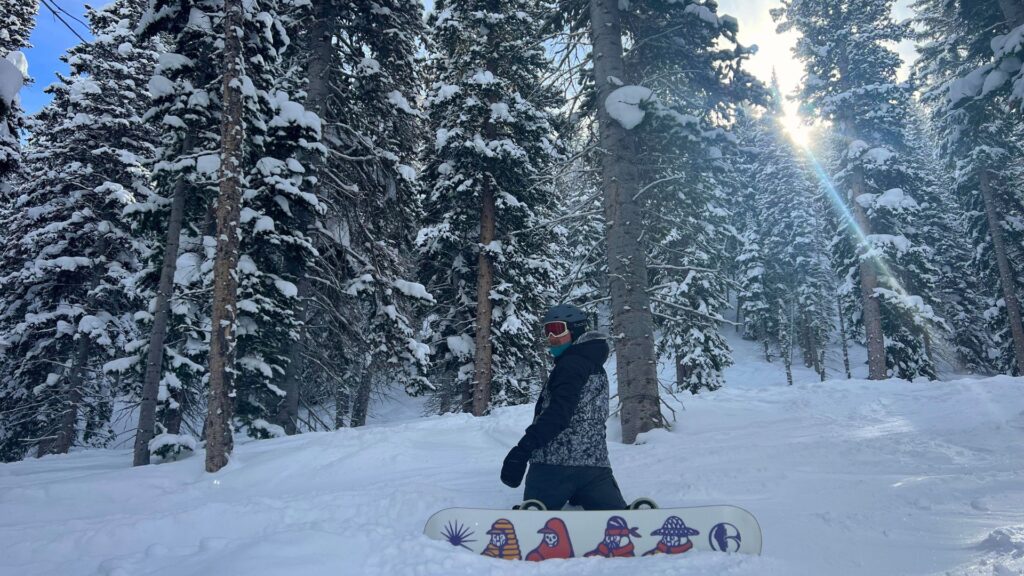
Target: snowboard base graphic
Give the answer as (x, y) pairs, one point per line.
(542, 535)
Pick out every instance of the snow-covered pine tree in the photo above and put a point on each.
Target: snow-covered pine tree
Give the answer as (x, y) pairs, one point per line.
(689, 57)
(632, 321)
(17, 19)
(70, 265)
(490, 273)
(975, 125)
(752, 298)
(847, 49)
(363, 69)
(277, 128)
(793, 280)
(178, 221)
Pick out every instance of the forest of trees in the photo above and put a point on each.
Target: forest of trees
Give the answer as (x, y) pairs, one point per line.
(253, 217)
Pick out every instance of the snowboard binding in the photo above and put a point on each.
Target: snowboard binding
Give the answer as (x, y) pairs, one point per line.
(531, 505)
(642, 504)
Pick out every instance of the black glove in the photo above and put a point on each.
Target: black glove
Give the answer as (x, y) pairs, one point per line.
(514, 468)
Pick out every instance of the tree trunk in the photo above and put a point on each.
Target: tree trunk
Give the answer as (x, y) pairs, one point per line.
(872, 310)
(484, 352)
(288, 409)
(843, 338)
(1014, 11)
(1007, 278)
(361, 403)
(868, 285)
(67, 432)
(739, 319)
(632, 321)
(219, 442)
(681, 375)
(161, 315)
(173, 416)
(341, 405)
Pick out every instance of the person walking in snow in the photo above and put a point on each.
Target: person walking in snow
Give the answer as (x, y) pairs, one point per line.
(566, 445)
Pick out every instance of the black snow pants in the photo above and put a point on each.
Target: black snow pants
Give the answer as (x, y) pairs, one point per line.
(592, 487)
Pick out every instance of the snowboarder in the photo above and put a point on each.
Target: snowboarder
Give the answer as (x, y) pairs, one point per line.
(566, 446)
(617, 542)
(556, 543)
(504, 543)
(675, 537)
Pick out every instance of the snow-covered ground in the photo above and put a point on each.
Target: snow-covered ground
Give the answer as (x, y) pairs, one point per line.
(845, 477)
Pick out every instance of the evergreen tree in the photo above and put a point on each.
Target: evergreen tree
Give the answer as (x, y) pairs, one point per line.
(178, 220)
(852, 82)
(792, 300)
(973, 119)
(17, 19)
(269, 171)
(690, 59)
(359, 65)
(71, 264)
(491, 276)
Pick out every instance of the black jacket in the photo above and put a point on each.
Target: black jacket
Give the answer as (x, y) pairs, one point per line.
(569, 418)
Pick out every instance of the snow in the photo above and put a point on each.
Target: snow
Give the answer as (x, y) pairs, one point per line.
(162, 440)
(969, 86)
(399, 101)
(187, 270)
(289, 112)
(11, 80)
(460, 345)
(894, 199)
(623, 105)
(160, 86)
(407, 172)
(899, 242)
(702, 12)
(121, 364)
(19, 60)
(286, 288)
(444, 92)
(878, 156)
(208, 164)
(846, 477)
(263, 224)
(500, 112)
(413, 290)
(483, 77)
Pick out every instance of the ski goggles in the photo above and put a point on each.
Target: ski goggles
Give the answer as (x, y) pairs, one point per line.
(557, 332)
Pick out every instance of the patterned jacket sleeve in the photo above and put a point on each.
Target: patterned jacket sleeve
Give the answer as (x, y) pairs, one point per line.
(564, 387)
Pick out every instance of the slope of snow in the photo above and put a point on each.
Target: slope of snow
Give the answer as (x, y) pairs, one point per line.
(845, 477)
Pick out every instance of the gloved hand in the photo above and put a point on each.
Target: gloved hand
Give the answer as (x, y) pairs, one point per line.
(514, 468)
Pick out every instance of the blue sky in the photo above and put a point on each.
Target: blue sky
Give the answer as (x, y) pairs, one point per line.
(49, 41)
(51, 38)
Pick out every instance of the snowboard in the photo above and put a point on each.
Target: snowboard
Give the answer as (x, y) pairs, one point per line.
(543, 535)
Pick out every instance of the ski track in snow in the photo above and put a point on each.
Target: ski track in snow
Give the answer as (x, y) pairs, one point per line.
(845, 477)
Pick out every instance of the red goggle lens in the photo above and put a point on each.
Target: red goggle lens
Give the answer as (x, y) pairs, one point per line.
(557, 328)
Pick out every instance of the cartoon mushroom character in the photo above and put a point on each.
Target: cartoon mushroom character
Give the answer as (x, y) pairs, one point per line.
(617, 541)
(675, 537)
(555, 544)
(504, 543)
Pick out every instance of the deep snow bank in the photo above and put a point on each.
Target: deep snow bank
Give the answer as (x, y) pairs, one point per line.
(846, 477)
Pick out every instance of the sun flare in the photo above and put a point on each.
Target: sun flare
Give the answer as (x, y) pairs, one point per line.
(796, 129)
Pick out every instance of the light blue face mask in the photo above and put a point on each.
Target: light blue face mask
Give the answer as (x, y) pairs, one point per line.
(557, 351)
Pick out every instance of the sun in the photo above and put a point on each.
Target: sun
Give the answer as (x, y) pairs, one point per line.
(796, 129)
